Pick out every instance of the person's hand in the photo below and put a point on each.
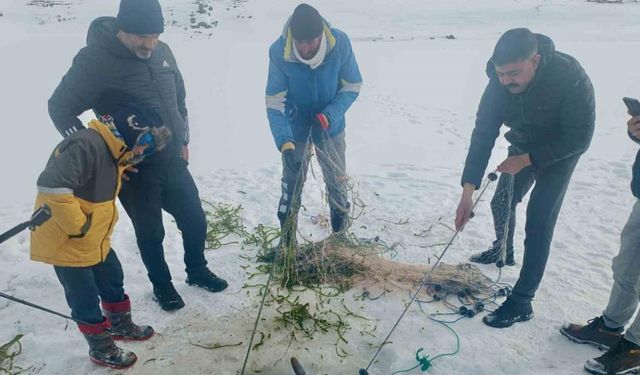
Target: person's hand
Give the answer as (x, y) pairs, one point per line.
(129, 170)
(514, 164)
(289, 158)
(185, 152)
(320, 121)
(633, 126)
(463, 213)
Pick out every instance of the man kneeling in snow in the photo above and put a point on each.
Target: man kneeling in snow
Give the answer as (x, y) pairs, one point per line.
(313, 80)
(546, 99)
(80, 184)
(605, 331)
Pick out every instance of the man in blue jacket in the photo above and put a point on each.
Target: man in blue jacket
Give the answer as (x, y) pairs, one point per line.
(313, 80)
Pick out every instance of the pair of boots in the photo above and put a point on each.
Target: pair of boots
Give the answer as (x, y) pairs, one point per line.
(339, 224)
(117, 325)
(622, 356)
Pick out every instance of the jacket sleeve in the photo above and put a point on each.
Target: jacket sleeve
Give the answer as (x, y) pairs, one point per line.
(349, 85)
(77, 92)
(577, 122)
(69, 168)
(181, 93)
(275, 100)
(487, 128)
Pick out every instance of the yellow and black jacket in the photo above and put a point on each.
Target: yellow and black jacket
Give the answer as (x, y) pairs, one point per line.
(80, 184)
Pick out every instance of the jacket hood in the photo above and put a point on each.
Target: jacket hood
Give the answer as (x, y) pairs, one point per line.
(287, 36)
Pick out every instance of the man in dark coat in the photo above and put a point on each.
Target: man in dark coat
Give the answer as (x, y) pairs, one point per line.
(123, 62)
(546, 99)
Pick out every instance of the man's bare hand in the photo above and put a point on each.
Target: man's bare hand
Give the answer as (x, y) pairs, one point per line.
(129, 170)
(514, 164)
(463, 213)
(185, 152)
(634, 126)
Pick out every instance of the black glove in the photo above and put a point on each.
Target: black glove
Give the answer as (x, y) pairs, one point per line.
(289, 158)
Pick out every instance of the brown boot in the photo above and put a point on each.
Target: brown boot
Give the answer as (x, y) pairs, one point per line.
(595, 333)
(122, 326)
(622, 358)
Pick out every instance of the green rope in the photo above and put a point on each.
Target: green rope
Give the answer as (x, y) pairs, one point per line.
(425, 362)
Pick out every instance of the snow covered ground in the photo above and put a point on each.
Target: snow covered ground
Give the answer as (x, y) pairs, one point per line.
(407, 137)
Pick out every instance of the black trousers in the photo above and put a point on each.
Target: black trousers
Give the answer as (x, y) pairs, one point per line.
(85, 286)
(170, 187)
(542, 213)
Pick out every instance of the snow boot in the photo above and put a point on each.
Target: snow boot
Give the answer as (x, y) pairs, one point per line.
(340, 220)
(508, 313)
(207, 280)
(622, 358)
(122, 326)
(102, 350)
(492, 255)
(595, 333)
(167, 296)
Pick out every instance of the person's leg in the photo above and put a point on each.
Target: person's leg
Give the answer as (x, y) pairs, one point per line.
(508, 194)
(81, 293)
(542, 212)
(623, 300)
(331, 157)
(180, 198)
(115, 303)
(141, 198)
(290, 200)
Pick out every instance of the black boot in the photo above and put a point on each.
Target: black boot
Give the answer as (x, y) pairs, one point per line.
(167, 296)
(340, 220)
(122, 326)
(508, 313)
(287, 240)
(207, 280)
(102, 350)
(492, 255)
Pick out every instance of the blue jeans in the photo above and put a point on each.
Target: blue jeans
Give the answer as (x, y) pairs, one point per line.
(85, 286)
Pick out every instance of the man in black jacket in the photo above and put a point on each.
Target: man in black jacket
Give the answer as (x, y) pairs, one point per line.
(123, 62)
(606, 331)
(546, 99)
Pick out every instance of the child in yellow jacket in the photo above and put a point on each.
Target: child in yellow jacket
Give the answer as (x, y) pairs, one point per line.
(80, 184)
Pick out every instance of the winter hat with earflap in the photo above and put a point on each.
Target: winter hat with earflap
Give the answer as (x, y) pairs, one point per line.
(138, 125)
(306, 23)
(141, 17)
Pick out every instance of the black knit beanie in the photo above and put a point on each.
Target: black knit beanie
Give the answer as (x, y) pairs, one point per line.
(141, 17)
(306, 23)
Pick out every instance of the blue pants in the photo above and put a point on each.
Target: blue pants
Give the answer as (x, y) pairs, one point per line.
(85, 286)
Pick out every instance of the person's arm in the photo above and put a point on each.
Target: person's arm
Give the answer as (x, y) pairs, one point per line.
(275, 101)
(349, 86)
(577, 122)
(487, 128)
(70, 168)
(77, 92)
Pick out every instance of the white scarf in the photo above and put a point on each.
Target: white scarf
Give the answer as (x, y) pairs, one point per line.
(316, 60)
